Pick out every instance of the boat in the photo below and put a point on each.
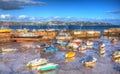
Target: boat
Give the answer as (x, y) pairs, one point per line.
(49, 66)
(5, 30)
(77, 41)
(9, 49)
(63, 36)
(89, 61)
(37, 62)
(82, 48)
(70, 54)
(102, 52)
(101, 46)
(114, 41)
(116, 56)
(72, 46)
(62, 43)
(89, 44)
(71, 59)
(50, 49)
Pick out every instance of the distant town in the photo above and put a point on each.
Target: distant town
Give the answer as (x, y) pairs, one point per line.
(82, 23)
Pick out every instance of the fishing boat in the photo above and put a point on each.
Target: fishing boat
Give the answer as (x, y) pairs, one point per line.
(49, 66)
(9, 49)
(63, 36)
(116, 56)
(37, 62)
(70, 54)
(89, 61)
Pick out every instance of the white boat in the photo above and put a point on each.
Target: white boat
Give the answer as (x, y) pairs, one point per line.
(37, 62)
(89, 44)
(77, 41)
(82, 48)
(9, 49)
(63, 36)
(72, 45)
(116, 56)
(101, 46)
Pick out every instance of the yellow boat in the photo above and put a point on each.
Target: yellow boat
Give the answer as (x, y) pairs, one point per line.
(5, 30)
(71, 59)
(70, 54)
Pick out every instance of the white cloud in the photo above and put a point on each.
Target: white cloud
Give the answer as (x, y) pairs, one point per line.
(3, 16)
(22, 16)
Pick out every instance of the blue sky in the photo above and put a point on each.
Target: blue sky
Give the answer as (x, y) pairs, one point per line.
(89, 9)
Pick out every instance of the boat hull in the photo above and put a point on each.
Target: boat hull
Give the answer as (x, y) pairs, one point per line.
(48, 67)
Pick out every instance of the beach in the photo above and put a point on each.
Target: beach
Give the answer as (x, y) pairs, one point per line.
(15, 62)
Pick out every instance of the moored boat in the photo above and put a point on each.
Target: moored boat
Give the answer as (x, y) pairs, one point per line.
(116, 56)
(82, 48)
(9, 49)
(77, 41)
(49, 66)
(37, 62)
(51, 49)
(89, 61)
(70, 54)
(114, 41)
(89, 44)
(62, 43)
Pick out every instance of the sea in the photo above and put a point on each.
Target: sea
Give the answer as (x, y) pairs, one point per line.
(67, 27)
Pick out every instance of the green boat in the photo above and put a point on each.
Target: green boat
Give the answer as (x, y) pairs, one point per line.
(48, 66)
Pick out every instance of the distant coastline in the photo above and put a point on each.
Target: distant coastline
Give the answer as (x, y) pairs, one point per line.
(55, 23)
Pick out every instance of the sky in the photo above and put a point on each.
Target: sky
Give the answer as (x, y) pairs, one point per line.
(35, 10)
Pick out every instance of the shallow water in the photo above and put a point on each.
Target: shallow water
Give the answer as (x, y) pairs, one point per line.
(15, 62)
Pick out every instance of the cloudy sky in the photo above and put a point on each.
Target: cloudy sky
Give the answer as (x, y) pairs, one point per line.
(36, 10)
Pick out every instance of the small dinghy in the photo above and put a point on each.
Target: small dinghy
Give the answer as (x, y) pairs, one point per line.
(114, 41)
(101, 48)
(51, 49)
(70, 54)
(77, 41)
(89, 61)
(89, 44)
(37, 62)
(62, 43)
(82, 48)
(9, 49)
(116, 56)
(46, 67)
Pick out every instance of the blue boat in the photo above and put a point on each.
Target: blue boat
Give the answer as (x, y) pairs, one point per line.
(51, 49)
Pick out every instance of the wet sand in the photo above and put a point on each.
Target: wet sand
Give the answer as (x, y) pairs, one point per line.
(15, 62)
